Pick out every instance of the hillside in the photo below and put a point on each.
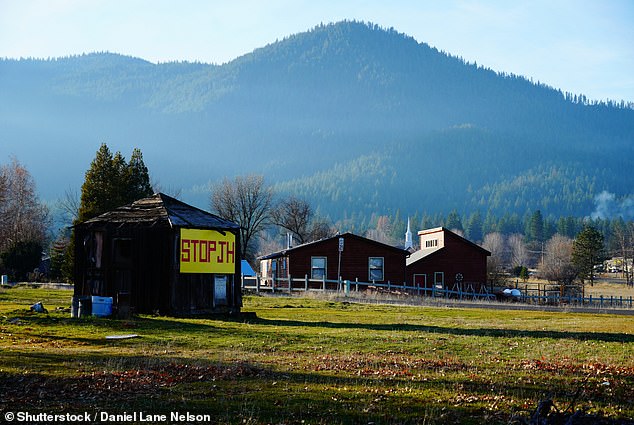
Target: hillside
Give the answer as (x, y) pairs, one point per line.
(355, 117)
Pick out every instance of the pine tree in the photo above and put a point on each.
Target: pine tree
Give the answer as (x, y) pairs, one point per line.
(110, 182)
(587, 252)
(453, 221)
(474, 227)
(97, 190)
(535, 227)
(137, 176)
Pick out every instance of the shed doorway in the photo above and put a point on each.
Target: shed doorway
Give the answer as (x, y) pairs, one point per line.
(220, 289)
(122, 264)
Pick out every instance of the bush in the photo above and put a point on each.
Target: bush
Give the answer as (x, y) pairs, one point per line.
(22, 258)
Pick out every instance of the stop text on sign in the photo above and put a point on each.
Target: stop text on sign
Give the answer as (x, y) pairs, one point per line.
(207, 251)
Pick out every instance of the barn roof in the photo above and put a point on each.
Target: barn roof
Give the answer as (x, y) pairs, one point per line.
(161, 210)
(283, 252)
(424, 253)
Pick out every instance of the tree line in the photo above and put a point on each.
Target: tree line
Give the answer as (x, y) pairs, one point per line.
(268, 218)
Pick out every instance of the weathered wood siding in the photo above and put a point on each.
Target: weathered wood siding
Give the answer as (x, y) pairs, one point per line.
(150, 274)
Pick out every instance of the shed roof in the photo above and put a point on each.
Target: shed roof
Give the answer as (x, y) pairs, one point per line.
(162, 210)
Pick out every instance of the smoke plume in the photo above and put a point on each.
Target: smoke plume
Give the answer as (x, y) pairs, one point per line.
(608, 206)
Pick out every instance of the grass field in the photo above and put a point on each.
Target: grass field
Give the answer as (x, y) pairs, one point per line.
(312, 361)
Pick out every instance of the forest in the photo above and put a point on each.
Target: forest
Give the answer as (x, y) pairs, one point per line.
(360, 120)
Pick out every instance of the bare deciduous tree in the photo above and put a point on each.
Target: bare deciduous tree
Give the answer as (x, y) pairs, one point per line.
(494, 243)
(557, 264)
(518, 250)
(296, 216)
(69, 205)
(383, 231)
(22, 217)
(624, 238)
(245, 201)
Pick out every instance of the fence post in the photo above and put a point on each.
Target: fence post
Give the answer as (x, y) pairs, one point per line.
(323, 283)
(290, 284)
(257, 284)
(273, 279)
(306, 282)
(388, 286)
(601, 304)
(356, 280)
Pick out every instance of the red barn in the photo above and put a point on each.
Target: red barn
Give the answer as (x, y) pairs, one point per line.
(362, 259)
(447, 260)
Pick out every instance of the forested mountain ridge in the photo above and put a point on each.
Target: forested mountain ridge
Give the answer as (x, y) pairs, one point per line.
(356, 118)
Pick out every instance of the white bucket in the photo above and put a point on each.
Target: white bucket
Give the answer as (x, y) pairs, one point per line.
(101, 306)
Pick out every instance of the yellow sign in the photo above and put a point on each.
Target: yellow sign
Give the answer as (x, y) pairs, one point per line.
(207, 251)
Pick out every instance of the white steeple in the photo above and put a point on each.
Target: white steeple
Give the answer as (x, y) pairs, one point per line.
(408, 237)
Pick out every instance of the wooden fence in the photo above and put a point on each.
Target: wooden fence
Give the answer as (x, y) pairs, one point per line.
(290, 285)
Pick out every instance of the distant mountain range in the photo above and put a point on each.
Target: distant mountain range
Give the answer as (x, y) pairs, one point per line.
(353, 117)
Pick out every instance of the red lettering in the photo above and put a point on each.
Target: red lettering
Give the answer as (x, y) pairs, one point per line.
(202, 251)
(220, 258)
(231, 252)
(203, 257)
(211, 247)
(195, 250)
(185, 250)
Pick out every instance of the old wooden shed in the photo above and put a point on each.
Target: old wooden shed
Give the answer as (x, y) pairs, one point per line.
(159, 254)
(361, 259)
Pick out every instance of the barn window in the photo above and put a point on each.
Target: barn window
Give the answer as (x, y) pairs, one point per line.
(439, 279)
(432, 243)
(376, 268)
(318, 267)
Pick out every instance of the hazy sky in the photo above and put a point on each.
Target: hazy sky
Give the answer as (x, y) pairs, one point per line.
(581, 46)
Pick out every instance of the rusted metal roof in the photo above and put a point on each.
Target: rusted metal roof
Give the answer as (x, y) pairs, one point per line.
(161, 210)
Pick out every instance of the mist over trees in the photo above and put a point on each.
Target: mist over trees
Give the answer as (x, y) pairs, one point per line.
(363, 124)
(354, 118)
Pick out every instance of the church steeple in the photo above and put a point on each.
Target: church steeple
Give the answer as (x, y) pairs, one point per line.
(409, 243)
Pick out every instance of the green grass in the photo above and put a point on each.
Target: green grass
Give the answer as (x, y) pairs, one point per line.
(310, 361)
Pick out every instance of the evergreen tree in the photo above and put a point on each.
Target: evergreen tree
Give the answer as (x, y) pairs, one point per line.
(110, 182)
(137, 176)
(97, 194)
(535, 227)
(474, 227)
(453, 221)
(587, 252)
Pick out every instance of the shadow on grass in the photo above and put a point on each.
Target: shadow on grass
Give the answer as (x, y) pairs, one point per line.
(481, 332)
(235, 391)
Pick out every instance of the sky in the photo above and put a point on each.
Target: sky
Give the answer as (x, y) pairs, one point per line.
(578, 46)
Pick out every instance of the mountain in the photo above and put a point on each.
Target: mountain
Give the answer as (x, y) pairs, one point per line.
(354, 117)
